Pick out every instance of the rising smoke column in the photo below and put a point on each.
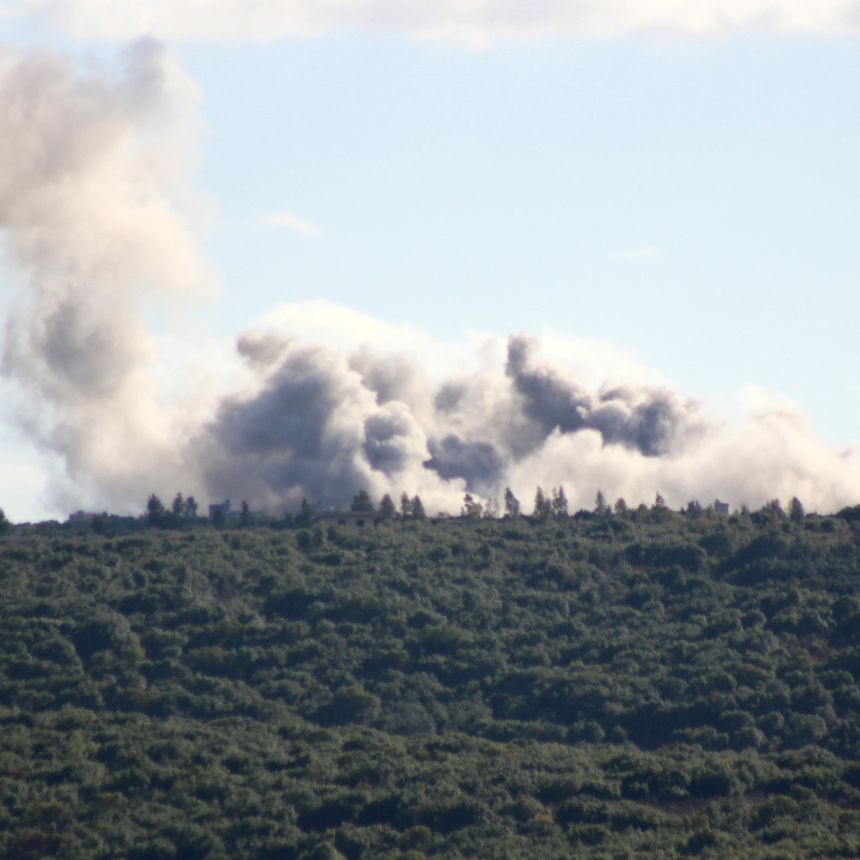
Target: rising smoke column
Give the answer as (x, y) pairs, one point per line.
(88, 162)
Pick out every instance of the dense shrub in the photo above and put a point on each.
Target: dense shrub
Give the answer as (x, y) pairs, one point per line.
(648, 684)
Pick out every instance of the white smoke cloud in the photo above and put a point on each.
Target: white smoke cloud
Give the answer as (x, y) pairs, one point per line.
(89, 164)
(321, 424)
(476, 21)
(292, 222)
(773, 453)
(315, 400)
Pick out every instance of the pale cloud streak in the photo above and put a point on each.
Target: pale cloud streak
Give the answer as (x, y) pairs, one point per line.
(291, 222)
(639, 255)
(473, 21)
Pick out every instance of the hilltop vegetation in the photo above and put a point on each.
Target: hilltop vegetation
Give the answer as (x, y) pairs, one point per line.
(641, 684)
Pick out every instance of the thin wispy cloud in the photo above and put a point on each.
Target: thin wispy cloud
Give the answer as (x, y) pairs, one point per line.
(640, 254)
(465, 20)
(290, 221)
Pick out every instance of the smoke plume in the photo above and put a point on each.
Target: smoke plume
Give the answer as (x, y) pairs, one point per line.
(320, 424)
(88, 163)
(91, 166)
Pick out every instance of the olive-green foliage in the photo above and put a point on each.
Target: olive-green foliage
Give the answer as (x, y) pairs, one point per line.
(641, 684)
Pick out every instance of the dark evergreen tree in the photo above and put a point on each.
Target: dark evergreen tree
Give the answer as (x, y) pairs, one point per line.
(600, 506)
(405, 506)
(386, 508)
(559, 502)
(361, 502)
(245, 515)
(306, 515)
(417, 509)
(543, 506)
(771, 514)
(190, 511)
(100, 523)
(155, 512)
(659, 509)
(512, 505)
(795, 510)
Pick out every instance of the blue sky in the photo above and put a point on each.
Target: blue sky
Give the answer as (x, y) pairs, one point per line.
(694, 201)
(690, 198)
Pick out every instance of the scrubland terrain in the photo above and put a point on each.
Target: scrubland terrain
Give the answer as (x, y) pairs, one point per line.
(651, 684)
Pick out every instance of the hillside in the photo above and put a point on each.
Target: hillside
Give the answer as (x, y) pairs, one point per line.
(651, 684)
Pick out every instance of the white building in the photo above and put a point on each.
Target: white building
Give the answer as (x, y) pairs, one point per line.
(350, 519)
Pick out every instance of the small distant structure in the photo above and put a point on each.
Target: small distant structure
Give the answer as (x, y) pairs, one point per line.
(81, 517)
(721, 507)
(349, 519)
(223, 507)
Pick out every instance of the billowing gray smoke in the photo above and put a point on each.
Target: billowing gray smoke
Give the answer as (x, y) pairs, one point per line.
(323, 427)
(478, 463)
(90, 167)
(319, 425)
(651, 421)
(313, 430)
(542, 400)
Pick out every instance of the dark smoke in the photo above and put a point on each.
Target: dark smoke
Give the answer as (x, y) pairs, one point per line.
(476, 462)
(324, 427)
(647, 420)
(314, 429)
(383, 434)
(288, 435)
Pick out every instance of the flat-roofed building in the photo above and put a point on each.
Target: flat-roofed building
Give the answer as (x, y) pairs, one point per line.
(349, 519)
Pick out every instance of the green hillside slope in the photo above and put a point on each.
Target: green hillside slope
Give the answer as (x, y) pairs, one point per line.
(647, 685)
